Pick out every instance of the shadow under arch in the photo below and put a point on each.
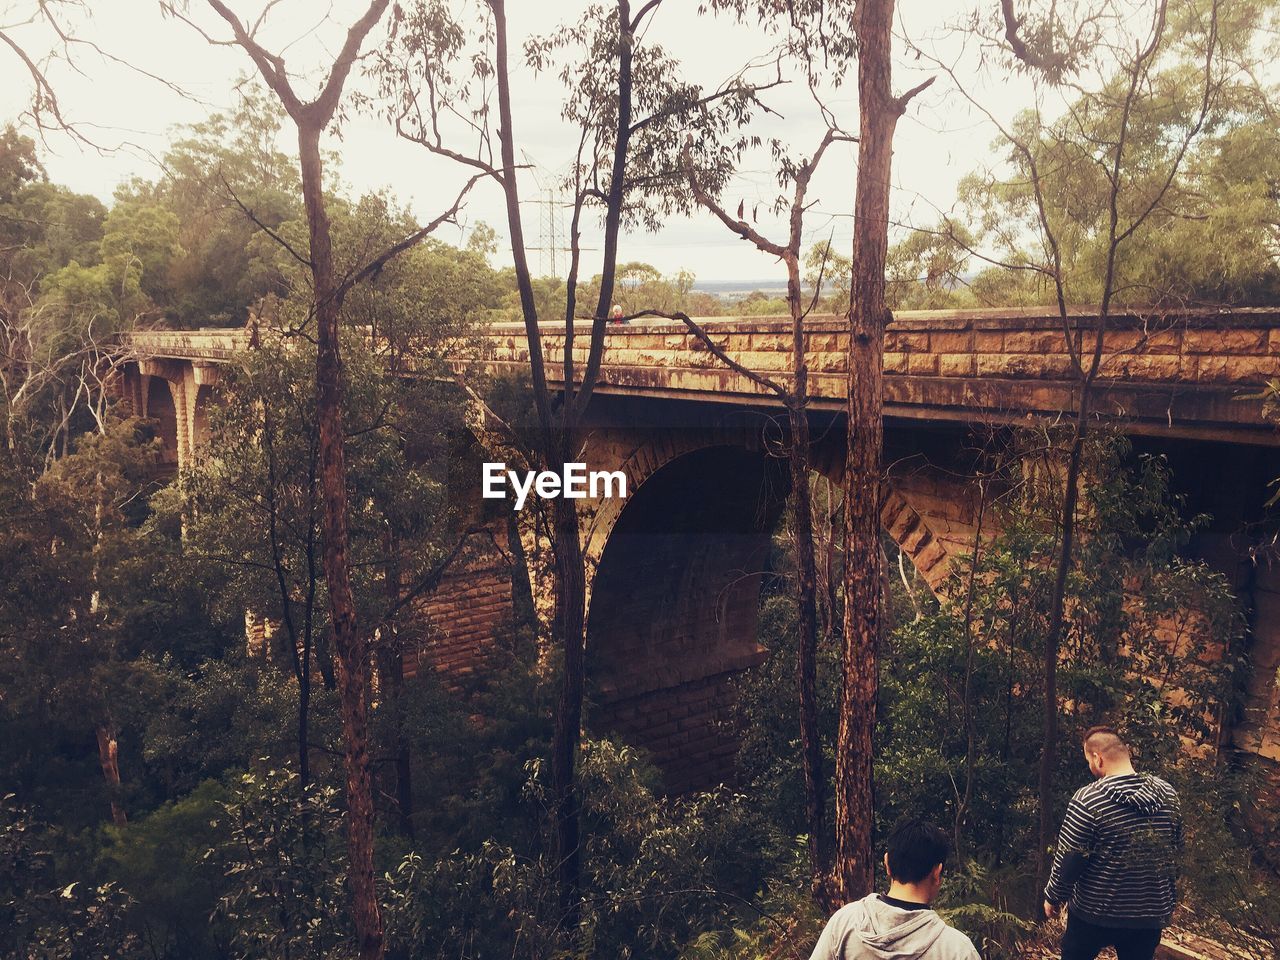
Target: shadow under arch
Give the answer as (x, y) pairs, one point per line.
(674, 607)
(161, 409)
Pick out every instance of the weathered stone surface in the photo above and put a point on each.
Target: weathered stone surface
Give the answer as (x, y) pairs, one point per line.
(1218, 353)
(1175, 375)
(1224, 341)
(1237, 369)
(922, 364)
(957, 365)
(1033, 341)
(906, 342)
(1024, 366)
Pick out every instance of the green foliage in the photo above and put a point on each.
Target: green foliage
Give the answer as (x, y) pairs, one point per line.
(220, 262)
(44, 915)
(656, 872)
(122, 604)
(1235, 897)
(1208, 185)
(641, 286)
(829, 272)
(770, 749)
(283, 859)
(94, 632)
(923, 271)
(1151, 641)
(163, 860)
(974, 899)
(218, 716)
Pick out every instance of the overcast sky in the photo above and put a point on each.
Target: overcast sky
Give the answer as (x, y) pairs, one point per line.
(938, 141)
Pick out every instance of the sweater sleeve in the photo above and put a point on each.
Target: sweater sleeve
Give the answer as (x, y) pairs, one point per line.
(1075, 840)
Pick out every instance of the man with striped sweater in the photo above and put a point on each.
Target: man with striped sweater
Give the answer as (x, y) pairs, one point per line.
(1116, 862)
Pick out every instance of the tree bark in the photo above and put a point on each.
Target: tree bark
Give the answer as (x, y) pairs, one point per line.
(806, 585)
(796, 400)
(569, 617)
(879, 110)
(569, 621)
(109, 758)
(1057, 602)
(391, 677)
(352, 650)
(806, 653)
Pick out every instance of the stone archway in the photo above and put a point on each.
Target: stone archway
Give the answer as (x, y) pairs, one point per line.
(674, 604)
(161, 408)
(675, 573)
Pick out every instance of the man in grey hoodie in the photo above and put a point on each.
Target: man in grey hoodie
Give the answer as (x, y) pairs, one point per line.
(899, 925)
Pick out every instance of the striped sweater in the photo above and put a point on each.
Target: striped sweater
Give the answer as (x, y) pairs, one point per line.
(1116, 862)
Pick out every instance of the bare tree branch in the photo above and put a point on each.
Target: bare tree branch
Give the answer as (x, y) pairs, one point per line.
(715, 350)
(375, 266)
(253, 217)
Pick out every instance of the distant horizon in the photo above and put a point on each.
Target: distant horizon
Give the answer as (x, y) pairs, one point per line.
(735, 286)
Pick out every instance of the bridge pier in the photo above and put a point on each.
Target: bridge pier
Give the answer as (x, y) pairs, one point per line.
(178, 396)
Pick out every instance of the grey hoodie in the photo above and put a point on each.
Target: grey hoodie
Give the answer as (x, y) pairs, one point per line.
(871, 929)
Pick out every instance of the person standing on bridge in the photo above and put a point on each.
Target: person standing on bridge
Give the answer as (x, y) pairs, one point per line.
(899, 925)
(1116, 861)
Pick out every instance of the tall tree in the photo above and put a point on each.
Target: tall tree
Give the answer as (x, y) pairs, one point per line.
(879, 110)
(795, 399)
(625, 168)
(1143, 93)
(312, 118)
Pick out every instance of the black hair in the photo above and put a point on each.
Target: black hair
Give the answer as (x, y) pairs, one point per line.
(915, 848)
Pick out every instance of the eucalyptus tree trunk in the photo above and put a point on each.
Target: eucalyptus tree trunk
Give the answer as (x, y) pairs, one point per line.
(109, 760)
(556, 440)
(353, 652)
(391, 682)
(806, 594)
(879, 110)
(311, 119)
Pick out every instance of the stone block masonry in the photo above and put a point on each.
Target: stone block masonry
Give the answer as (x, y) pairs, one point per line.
(1175, 373)
(674, 569)
(466, 618)
(688, 730)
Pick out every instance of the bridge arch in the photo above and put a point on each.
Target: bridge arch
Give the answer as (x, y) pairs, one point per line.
(674, 603)
(162, 408)
(675, 577)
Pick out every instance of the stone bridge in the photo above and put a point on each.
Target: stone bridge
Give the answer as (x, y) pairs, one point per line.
(675, 570)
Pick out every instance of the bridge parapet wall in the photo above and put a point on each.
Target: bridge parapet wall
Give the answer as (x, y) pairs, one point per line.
(1179, 373)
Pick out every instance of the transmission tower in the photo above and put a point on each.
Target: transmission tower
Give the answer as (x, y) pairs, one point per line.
(553, 238)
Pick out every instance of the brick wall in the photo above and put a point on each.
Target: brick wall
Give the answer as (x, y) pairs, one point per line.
(687, 729)
(466, 617)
